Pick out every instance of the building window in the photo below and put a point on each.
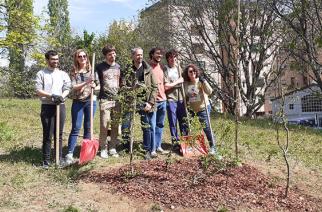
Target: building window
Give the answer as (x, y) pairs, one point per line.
(311, 103)
(198, 48)
(291, 106)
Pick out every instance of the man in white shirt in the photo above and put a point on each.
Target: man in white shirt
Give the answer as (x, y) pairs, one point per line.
(52, 87)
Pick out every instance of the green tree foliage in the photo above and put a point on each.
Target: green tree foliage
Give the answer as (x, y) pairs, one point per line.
(19, 25)
(59, 20)
(60, 37)
(123, 36)
(303, 27)
(154, 28)
(85, 42)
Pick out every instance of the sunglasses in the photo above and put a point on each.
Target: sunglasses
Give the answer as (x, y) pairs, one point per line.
(192, 71)
(82, 56)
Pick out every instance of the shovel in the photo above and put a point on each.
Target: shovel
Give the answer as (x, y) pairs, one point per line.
(208, 116)
(90, 146)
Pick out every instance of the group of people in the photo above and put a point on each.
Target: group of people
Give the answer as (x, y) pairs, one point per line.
(149, 88)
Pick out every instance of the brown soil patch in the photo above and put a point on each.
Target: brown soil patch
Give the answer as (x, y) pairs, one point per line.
(186, 184)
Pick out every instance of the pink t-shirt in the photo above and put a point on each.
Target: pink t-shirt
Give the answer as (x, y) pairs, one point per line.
(159, 77)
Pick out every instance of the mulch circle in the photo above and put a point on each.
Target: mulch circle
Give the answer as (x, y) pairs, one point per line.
(187, 183)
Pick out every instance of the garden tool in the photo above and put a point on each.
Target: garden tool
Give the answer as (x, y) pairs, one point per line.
(90, 146)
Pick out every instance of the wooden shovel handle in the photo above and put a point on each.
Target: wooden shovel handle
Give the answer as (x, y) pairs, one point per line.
(57, 132)
(92, 99)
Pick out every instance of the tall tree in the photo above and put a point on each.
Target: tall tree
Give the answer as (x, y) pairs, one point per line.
(19, 24)
(205, 32)
(60, 37)
(59, 20)
(303, 20)
(85, 42)
(124, 37)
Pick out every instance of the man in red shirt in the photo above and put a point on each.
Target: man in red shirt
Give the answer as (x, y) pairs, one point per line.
(156, 55)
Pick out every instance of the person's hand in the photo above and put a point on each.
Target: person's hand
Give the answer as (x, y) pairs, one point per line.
(202, 79)
(147, 107)
(180, 80)
(138, 85)
(90, 79)
(93, 85)
(57, 99)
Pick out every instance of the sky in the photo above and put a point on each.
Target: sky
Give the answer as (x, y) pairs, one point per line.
(96, 15)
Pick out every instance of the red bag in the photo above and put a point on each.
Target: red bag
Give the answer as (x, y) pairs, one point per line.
(88, 151)
(192, 146)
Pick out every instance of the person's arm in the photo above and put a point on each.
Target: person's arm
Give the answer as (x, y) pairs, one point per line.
(39, 86)
(205, 86)
(168, 85)
(66, 85)
(153, 95)
(42, 93)
(81, 85)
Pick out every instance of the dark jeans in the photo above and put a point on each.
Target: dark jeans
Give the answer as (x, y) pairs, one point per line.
(147, 125)
(176, 113)
(80, 109)
(48, 120)
(202, 115)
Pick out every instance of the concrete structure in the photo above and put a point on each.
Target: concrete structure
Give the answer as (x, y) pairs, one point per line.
(301, 106)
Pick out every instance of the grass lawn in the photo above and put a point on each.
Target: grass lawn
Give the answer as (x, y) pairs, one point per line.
(26, 187)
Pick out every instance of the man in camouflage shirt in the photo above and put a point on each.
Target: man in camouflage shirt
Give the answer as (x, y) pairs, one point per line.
(109, 73)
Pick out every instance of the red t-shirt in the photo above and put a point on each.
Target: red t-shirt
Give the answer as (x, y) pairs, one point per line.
(159, 77)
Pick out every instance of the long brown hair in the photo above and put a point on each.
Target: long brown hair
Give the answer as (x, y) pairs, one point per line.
(185, 72)
(76, 66)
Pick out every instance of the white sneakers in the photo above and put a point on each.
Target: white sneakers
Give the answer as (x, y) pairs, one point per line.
(154, 154)
(69, 159)
(162, 151)
(212, 151)
(215, 153)
(112, 152)
(104, 154)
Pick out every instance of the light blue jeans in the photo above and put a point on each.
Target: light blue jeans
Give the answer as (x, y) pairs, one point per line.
(159, 125)
(202, 115)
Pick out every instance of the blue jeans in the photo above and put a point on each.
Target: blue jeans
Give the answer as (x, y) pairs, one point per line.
(78, 110)
(159, 125)
(202, 115)
(147, 125)
(176, 112)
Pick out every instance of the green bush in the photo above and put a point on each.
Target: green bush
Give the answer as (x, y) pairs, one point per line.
(6, 133)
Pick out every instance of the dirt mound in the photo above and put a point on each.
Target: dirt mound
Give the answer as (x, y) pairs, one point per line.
(202, 183)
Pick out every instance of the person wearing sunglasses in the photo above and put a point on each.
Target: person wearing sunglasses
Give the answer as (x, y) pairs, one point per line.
(82, 83)
(197, 90)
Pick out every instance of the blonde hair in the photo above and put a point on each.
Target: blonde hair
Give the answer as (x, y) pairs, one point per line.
(76, 66)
